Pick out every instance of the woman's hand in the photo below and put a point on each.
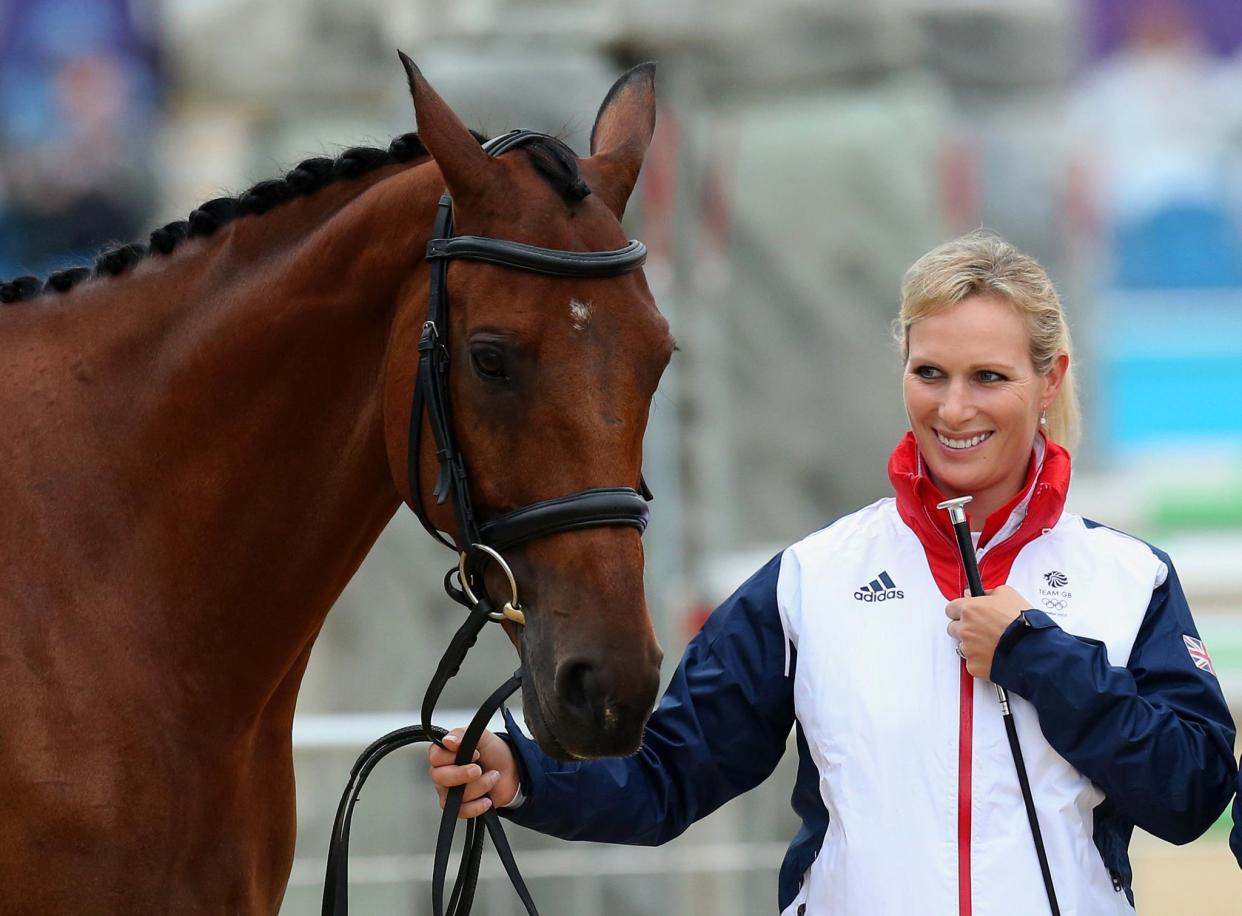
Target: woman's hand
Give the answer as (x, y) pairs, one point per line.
(977, 624)
(491, 780)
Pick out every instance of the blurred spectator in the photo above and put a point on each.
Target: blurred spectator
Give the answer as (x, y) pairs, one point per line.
(1155, 120)
(79, 85)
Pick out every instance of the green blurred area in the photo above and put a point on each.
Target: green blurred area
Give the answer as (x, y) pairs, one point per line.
(1198, 508)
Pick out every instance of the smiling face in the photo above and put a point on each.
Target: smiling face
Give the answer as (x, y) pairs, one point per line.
(974, 398)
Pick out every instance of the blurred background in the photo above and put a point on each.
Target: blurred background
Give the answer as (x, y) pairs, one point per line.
(807, 152)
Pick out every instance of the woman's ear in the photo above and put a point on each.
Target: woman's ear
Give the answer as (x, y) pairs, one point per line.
(1053, 379)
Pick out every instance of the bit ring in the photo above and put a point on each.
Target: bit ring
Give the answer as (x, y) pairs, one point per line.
(513, 608)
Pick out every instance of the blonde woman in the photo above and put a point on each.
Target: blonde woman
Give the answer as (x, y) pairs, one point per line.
(859, 639)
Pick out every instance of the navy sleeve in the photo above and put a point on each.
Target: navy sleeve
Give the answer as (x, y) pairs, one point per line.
(719, 730)
(1156, 736)
(1235, 838)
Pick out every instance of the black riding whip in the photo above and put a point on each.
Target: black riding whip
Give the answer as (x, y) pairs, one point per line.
(961, 529)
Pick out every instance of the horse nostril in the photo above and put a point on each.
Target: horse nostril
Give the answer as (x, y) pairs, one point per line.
(582, 689)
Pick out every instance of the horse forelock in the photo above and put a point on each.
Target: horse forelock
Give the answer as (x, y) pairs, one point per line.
(558, 166)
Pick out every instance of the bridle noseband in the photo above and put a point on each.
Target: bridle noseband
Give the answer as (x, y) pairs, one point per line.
(479, 542)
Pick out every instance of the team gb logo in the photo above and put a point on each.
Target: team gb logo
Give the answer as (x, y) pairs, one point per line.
(1056, 597)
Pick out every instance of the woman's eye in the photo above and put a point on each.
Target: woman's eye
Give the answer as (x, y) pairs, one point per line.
(928, 372)
(489, 362)
(988, 375)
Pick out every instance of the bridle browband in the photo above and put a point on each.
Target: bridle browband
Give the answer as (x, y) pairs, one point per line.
(478, 542)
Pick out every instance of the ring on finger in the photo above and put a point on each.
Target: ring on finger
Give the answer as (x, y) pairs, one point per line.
(960, 653)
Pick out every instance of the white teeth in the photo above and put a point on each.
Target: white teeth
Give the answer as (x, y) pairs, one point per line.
(961, 443)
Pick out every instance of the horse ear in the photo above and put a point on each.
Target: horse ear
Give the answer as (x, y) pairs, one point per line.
(462, 162)
(622, 133)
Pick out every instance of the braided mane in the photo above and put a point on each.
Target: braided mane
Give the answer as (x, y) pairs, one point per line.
(552, 159)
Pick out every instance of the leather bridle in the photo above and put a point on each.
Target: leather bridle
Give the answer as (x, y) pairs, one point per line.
(478, 542)
(584, 509)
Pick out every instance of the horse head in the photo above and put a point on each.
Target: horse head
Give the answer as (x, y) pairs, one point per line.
(550, 380)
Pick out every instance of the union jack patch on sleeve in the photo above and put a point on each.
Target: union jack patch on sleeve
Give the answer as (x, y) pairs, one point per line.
(1199, 654)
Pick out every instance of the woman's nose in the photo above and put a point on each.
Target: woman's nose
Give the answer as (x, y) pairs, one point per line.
(956, 410)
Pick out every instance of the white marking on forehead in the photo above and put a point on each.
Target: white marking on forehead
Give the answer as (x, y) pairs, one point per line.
(580, 314)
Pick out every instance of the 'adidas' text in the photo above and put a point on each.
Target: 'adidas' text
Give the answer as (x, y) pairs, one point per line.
(881, 588)
(889, 595)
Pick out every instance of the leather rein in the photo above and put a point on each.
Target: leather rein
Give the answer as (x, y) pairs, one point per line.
(479, 543)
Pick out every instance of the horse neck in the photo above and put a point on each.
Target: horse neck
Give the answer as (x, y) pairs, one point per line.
(245, 427)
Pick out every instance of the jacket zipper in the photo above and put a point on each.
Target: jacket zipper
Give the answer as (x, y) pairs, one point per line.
(965, 735)
(966, 717)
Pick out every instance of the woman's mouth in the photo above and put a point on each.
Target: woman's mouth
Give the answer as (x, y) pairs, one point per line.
(960, 442)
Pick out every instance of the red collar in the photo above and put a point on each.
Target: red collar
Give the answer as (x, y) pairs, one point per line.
(1043, 495)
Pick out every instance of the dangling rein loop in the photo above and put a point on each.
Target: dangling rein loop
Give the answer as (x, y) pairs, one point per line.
(336, 880)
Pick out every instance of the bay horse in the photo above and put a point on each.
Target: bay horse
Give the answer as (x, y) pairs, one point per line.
(201, 442)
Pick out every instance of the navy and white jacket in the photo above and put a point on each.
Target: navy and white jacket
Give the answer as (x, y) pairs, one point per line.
(906, 787)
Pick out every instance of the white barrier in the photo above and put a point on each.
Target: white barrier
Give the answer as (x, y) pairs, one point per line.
(342, 731)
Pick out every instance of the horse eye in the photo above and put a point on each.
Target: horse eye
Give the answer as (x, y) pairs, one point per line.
(489, 362)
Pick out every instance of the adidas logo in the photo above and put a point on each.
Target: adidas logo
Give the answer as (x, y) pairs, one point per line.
(881, 588)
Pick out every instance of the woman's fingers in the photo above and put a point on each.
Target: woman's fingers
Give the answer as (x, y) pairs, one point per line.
(478, 781)
(480, 787)
(473, 809)
(449, 776)
(474, 799)
(441, 756)
(471, 775)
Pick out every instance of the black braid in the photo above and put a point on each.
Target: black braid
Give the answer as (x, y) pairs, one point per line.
(64, 280)
(407, 147)
(166, 238)
(360, 159)
(310, 175)
(113, 261)
(20, 289)
(264, 195)
(211, 215)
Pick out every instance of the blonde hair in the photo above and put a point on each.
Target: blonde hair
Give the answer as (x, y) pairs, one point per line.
(980, 263)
